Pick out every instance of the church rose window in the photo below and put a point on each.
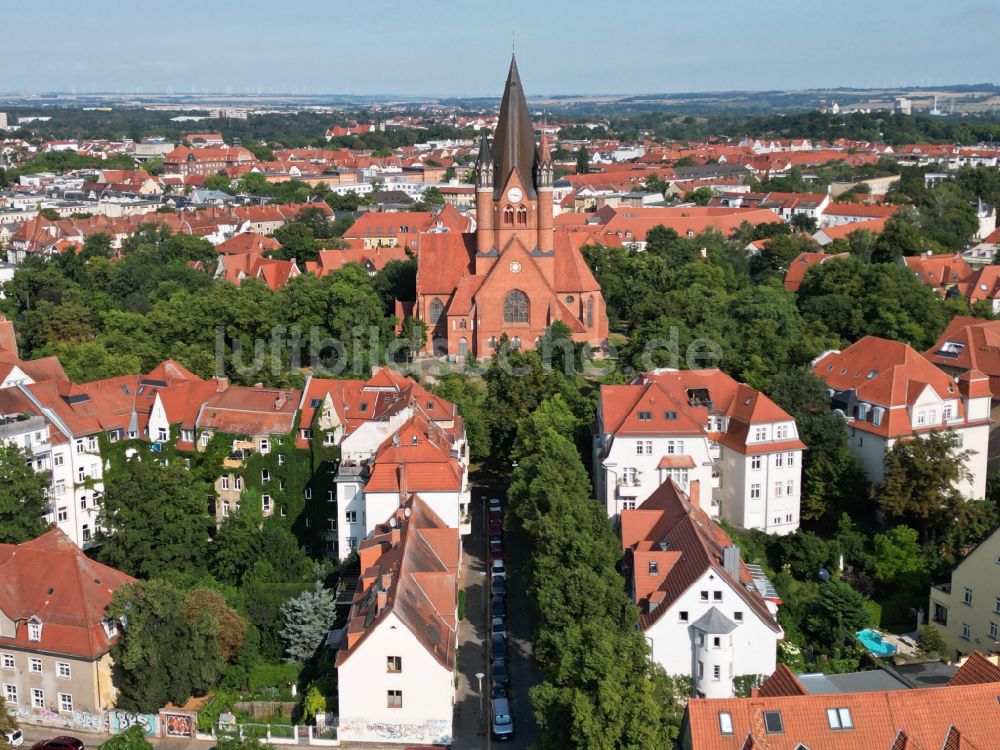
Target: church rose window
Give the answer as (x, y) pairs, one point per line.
(436, 308)
(515, 307)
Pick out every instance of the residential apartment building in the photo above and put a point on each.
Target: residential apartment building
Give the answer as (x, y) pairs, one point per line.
(966, 608)
(699, 425)
(784, 715)
(705, 614)
(394, 436)
(887, 392)
(397, 655)
(55, 635)
(253, 417)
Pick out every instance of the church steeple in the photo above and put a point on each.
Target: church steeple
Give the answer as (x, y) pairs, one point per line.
(514, 140)
(484, 163)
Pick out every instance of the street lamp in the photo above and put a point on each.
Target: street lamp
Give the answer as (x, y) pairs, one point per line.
(480, 676)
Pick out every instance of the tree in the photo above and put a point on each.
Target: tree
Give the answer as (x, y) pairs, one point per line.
(219, 182)
(898, 554)
(231, 627)
(931, 641)
(898, 238)
(413, 337)
(700, 196)
(163, 655)
(236, 546)
(313, 704)
(308, 619)
(23, 497)
(582, 161)
(8, 723)
(131, 739)
(297, 241)
(837, 615)
(919, 485)
(155, 519)
(804, 223)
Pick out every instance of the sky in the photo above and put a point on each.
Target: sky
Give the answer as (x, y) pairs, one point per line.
(462, 47)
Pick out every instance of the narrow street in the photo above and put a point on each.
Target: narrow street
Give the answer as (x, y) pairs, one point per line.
(472, 727)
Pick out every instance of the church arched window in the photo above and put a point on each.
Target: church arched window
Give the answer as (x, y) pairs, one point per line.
(522, 215)
(515, 307)
(508, 215)
(516, 342)
(435, 310)
(463, 324)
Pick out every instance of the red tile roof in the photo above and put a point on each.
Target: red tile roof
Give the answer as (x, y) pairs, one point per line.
(928, 718)
(240, 410)
(52, 580)
(802, 263)
(970, 344)
(667, 523)
(409, 567)
(976, 670)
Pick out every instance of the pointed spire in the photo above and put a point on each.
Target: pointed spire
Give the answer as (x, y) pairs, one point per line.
(484, 163)
(514, 140)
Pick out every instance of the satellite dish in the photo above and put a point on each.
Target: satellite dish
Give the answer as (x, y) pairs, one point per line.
(824, 574)
(392, 522)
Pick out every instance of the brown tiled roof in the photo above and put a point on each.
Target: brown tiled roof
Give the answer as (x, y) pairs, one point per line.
(782, 682)
(49, 578)
(409, 567)
(976, 670)
(968, 716)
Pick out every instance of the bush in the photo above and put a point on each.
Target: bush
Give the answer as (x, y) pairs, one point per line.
(278, 676)
(930, 640)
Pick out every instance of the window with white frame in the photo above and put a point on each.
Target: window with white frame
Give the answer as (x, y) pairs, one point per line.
(34, 665)
(790, 487)
(630, 476)
(80, 474)
(755, 463)
(7, 661)
(839, 718)
(649, 447)
(779, 460)
(781, 432)
(161, 434)
(946, 412)
(79, 445)
(265, 502)
(205, 437)
(265, 445)
(238, 483)
(993, 631)
(967, 596)
(265, 475)
(92, 443)
(62, 669)
(966, 631)
(281, 459)
(329, 439)
(754, 491)
(351, 516)
(225, 483)
(305, 433)
(790, 459)
(57, 459)
(65, 703)
(10, 694)
(330, 497)
(778, 487)
(760, 434)
(62, 514)
(675, 447)
(34, 631)
(37, 698)
(921, 417)
(638, 448)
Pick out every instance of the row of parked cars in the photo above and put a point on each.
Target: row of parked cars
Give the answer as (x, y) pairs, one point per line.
(502, 722)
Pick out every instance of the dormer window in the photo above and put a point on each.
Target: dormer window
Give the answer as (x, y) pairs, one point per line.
(34, 631)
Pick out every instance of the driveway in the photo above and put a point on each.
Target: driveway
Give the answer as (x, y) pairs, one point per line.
(471, 727)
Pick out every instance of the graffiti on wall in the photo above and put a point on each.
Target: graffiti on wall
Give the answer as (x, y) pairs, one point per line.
(432, 730)
(178, 725)
(119, 721)
(87, 720)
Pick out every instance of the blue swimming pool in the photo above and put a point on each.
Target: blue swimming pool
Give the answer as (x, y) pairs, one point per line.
(873, 641)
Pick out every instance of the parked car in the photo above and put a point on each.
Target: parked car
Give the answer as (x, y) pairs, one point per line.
(496, 522)
(16, 738)
(501, 672)
(497, 606)
(59, 743)
(496, 536)
(498, 568)
(498, 585)
(498, 647)
(503, 723)
(496, 553)
(498, 627)
(498, 691)
(496, 504)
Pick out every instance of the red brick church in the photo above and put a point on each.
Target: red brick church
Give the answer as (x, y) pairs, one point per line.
(514, 275)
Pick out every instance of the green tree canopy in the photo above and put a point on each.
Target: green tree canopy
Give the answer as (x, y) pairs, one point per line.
(23, 497)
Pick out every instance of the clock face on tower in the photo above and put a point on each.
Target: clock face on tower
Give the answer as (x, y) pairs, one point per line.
(514, 195)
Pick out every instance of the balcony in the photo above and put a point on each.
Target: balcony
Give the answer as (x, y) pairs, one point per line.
(242, 450)
(18, 424)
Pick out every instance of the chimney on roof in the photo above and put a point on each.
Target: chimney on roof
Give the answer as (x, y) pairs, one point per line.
(694, 493)
(221, 384)
(279, 400)
(731, 560)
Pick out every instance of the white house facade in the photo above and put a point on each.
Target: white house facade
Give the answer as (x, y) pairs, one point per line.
(699, 425)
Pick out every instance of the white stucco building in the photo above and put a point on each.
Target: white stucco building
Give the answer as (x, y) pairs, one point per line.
(396, 656)
(887, 391)
(699, 425)
(702, 610)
